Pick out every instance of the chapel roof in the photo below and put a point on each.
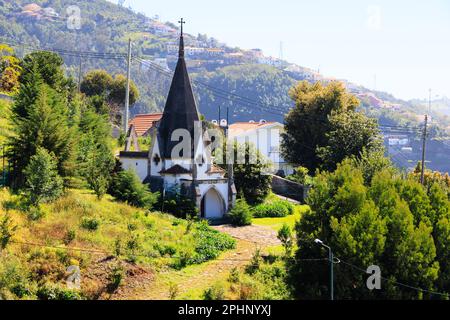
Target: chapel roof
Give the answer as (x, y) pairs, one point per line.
(181, 110)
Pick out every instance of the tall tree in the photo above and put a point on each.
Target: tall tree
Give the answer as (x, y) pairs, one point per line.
(375, 223)
(41, 117)
(42, 179)
(9, 70)
(323, 118)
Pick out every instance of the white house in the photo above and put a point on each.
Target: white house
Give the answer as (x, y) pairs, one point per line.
(180, 158)
(266, 136)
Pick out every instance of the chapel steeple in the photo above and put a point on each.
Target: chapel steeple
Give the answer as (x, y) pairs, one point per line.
(181, 110)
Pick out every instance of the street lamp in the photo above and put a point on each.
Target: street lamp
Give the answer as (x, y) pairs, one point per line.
(330, 258)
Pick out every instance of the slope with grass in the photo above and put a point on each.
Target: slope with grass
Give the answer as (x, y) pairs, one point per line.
(116, 247)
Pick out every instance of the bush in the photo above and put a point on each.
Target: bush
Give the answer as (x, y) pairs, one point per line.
(54, 292)
(241, 214)
(7, 230)
(127, 187)
(178, 205)
(216, 292)
(277, 209)
(35, 213)
(285, 236)
(90, 224)
(115, 278)
(209, 244)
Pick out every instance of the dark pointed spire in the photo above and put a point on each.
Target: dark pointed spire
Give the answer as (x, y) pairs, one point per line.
(181, 50)
(181, 110)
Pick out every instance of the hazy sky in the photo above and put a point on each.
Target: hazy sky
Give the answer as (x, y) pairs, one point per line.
(404, 45)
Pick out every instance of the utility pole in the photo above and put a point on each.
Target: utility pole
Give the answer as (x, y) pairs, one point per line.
(229, 159)
(3, 171)
(331, 260)
(79, 74)
(422, 174)
(127, 93)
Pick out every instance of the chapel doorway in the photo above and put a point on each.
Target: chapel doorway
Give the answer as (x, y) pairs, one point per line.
(212, 206)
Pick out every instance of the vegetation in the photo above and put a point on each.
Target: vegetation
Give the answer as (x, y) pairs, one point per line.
(127, 187)
(42, 180)
(324, 127)
(241, 214)
(275, 209)
(9, 70)
(100, 86)
(389, 221)
(155, 241)
(41, 116)
(250, 172)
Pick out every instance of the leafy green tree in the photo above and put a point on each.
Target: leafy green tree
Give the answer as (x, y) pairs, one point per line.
(9, 70)
(127, 187)
(95, 154)
(350, 134)
(101, 87)
(381, 223)
(250, 173)
(96, 83)
(42, 179)
(240, 214)
(49, 67)
(324, 127)
(442, 239)
(99, 167)
(7, 230)
(40, 118)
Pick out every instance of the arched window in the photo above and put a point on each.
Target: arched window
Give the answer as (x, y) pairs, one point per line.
(156, 159)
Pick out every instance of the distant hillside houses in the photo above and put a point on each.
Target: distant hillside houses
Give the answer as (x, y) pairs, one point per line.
(372, 100)
(35, 11)
(160, 28)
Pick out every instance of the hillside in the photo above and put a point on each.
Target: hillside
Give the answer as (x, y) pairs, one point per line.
(105, 27)
(252, 85)
(113, 245)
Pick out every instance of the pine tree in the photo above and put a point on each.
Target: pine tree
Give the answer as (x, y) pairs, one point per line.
(42, 180)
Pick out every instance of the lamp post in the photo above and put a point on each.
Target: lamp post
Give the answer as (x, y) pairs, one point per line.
(330, 258)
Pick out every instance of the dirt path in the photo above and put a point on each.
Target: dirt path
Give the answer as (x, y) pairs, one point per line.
(192, 281)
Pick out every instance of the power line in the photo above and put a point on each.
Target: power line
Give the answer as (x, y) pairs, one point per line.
(396, 282)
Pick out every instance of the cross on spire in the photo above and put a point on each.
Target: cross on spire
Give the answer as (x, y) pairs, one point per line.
(181, 22)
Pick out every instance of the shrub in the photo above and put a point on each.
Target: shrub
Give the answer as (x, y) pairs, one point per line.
(173, 291)
(210, 243)
(127, 187)
(90, 224)
(55, 292)
(276, 209)
(234, 276)
(13, 277)
(7, 230)
(42, 179)
(241, 214)
(70, 236)
(285, 236)
(115, 278)
(216, 292)
(178, 205)
(35, 213)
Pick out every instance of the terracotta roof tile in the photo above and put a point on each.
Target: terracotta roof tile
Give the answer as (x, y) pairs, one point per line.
(144, 122)
(216, 169)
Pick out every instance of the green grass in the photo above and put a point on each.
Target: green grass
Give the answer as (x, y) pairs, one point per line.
(152, 240)
(277, 223)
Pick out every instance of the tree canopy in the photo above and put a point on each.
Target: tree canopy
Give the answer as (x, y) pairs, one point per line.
(324, 127)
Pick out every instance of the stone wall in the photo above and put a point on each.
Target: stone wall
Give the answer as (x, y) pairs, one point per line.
(289, 189)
